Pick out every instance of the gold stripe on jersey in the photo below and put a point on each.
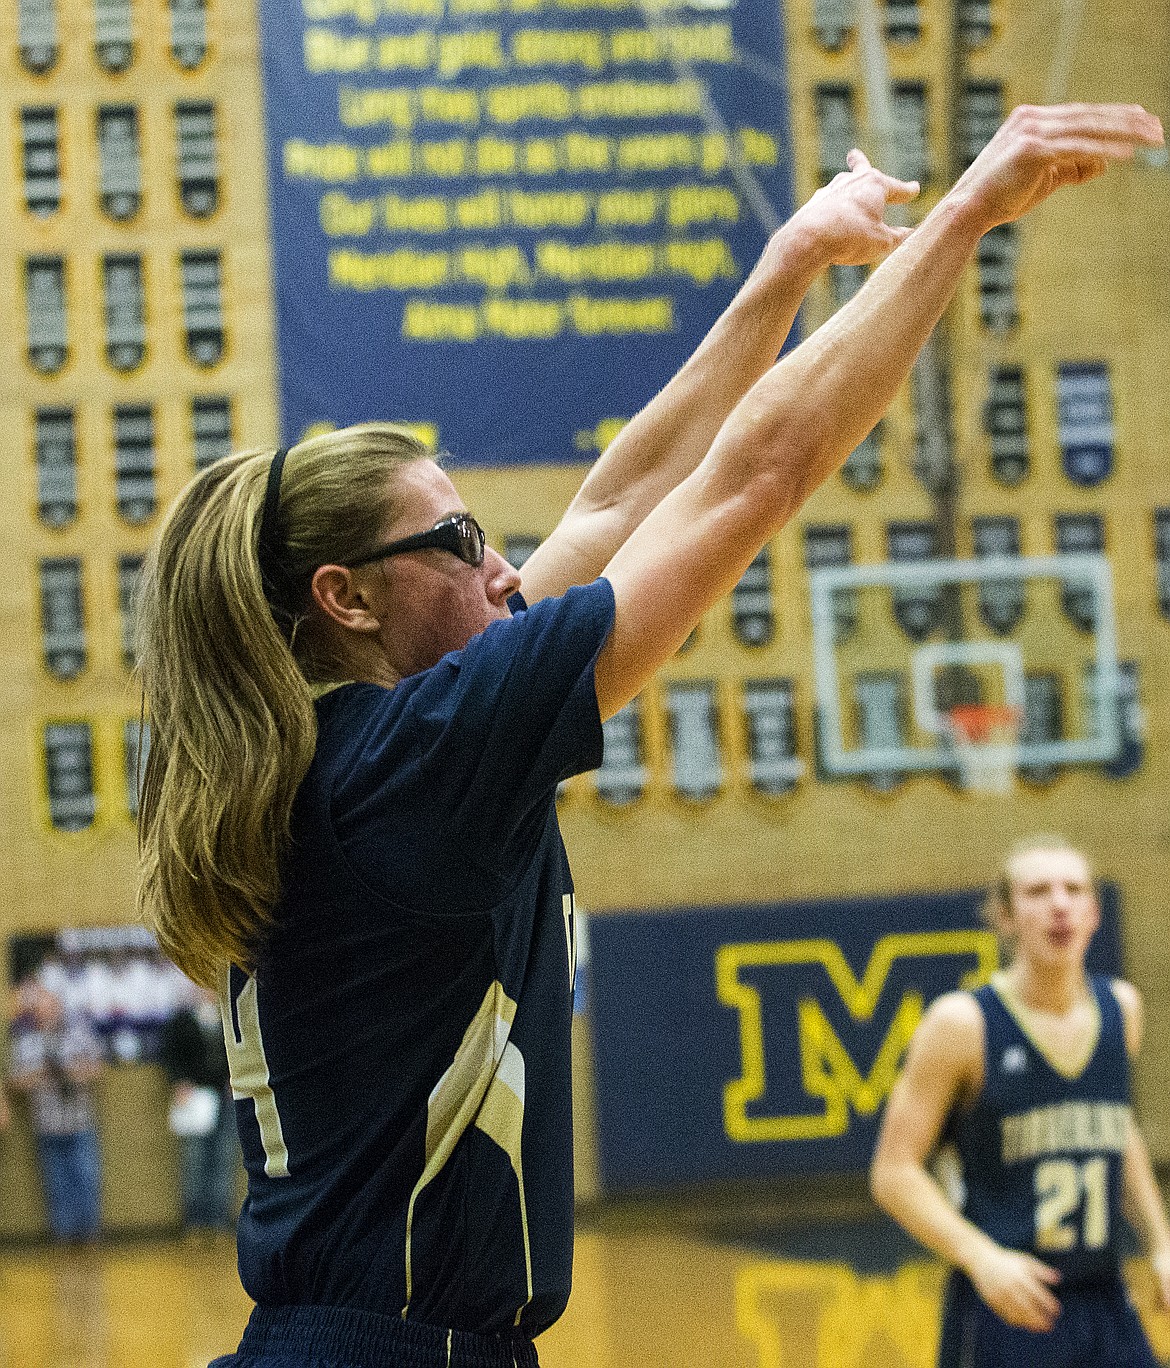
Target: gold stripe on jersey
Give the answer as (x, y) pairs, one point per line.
(570, 937)
(502, 1118)
(458, 1097)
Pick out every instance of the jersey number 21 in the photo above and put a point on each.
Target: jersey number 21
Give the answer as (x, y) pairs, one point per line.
(1062, 1188)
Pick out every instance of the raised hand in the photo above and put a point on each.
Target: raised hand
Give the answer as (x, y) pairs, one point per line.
(1040, 149)
(846, 218)
(1018, 1288)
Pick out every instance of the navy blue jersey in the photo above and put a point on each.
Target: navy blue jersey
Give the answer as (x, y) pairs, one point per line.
(1042, 1149)
(400, 1057)
(1098, 1327)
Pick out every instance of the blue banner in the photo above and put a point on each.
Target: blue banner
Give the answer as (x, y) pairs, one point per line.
(510, 221)
(1085, 410)
(761, 1041)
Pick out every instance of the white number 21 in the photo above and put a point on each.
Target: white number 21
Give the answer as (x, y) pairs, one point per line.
(1060, 1186)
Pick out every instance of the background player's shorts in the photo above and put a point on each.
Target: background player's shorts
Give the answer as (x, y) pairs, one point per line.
(1097, 1326)
(341, 1337)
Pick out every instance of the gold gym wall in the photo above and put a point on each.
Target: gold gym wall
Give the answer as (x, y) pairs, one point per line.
(135, 214)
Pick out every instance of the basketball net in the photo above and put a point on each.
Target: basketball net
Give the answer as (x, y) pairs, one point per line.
(985, 737)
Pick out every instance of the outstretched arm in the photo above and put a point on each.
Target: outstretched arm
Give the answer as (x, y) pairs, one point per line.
(1145, 1210)
(841, 224)
(944, 1069)
(798, 422)
(1140, 1194)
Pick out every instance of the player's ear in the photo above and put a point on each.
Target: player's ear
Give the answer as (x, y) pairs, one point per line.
(339, 595)
(1096, 915)
(997, 911)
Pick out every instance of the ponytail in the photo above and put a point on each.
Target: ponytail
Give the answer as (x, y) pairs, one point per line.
(228, 683)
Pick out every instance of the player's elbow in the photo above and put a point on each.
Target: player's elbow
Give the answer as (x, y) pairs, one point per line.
(780, 455)
(884, 1182)
(784, 472)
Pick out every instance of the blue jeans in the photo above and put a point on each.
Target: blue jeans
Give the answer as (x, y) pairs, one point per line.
(71, 1173)
(207, 1173)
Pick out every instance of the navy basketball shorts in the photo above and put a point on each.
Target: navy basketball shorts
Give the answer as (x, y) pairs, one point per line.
(339, 1337)
(1097, 1327)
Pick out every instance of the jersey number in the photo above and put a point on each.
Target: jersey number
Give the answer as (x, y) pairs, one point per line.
(249, 1068)
(1061, 1187)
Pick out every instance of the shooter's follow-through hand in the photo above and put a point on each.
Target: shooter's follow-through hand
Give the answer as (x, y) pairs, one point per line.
(1040, 149)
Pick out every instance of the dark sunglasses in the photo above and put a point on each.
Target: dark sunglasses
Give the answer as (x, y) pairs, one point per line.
(460, 534)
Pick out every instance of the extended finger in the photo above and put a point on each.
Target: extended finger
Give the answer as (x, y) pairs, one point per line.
(856, 160)
(899, 191)
(1130, 122)
(1101, 142)
(1093, 145)
(1106, 120)
(896, 191)
(1067, 150)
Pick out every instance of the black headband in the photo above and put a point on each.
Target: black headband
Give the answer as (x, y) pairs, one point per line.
(268, 547)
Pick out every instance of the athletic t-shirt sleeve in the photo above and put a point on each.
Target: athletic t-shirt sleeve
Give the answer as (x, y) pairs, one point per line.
(479, 742)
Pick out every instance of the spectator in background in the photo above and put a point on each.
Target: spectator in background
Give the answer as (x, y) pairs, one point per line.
(191, 1050)
(55, 1064)
(64, 973)
(131, 990)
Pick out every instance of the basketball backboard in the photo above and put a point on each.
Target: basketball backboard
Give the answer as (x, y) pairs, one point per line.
(900, 646)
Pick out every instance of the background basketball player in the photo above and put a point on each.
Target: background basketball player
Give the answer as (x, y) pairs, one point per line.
(1029, 1077)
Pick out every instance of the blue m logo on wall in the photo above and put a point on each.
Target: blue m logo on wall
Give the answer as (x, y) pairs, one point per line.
(762, 1040)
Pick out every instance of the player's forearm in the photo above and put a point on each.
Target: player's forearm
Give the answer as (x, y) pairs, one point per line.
(791, 430)
(908, 1193)
(666, 441)
(670, 436)
(1141, 1196)
(813, 408)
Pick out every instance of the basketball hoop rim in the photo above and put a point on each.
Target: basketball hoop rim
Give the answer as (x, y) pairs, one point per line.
(985, 738)
(975, 723)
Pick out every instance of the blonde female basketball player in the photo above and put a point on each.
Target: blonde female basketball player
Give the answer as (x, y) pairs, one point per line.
(373, 876)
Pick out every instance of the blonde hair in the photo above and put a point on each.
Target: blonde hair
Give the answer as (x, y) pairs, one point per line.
(999, 897)
(227, 682)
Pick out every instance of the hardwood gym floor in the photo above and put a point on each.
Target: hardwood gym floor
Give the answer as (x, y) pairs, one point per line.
(647, 1294)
